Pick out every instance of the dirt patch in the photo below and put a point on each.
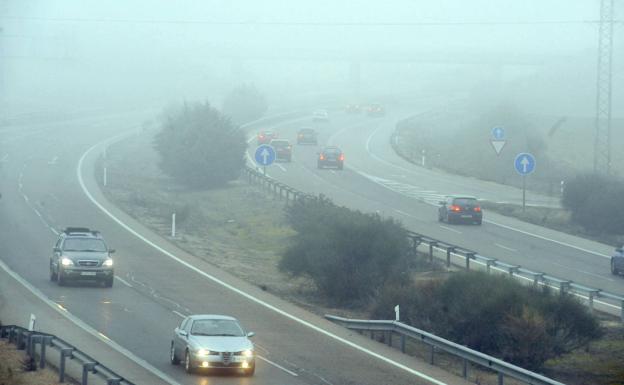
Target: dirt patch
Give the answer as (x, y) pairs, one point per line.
(12, 373)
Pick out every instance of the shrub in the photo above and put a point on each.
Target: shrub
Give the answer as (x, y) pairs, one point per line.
(495, 315)
(200, 147)
(244, 104)
(348, 254)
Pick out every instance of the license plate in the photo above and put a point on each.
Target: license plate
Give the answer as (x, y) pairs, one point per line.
(88, 273)
(466, 216)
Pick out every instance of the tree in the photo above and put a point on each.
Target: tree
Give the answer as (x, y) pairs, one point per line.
(244, 104)
(199, 146)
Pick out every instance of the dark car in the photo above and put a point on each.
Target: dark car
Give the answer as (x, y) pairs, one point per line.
(307, 136)
(266, 136)
(460, 209)
(81, 254)
(331, 156)
(283, 149)
(617, 261)
(375, 110)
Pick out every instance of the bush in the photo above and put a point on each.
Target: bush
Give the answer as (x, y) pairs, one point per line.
(200, 147)
(245, 104)
(348, 254)
(594, 201)
(494, 315)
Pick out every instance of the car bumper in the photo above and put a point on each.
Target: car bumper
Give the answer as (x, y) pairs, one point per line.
(467, 217)
(77, 273)
(219, 361)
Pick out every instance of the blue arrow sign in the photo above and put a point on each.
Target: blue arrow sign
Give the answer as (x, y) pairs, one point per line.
(498, 133)
(524, 163)
(265, 155)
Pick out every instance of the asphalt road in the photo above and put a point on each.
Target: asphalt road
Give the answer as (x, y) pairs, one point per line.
(376, 179)
(48, 183)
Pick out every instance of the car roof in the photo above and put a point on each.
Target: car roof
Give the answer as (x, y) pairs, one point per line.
(461, 197)
(80, 232)
(195, 317)
(280, 141)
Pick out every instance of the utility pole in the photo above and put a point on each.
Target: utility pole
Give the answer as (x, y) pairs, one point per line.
(602, 144)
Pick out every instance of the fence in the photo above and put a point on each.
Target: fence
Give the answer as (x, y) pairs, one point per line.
(29, 340)
(451, 253)
(502, 368)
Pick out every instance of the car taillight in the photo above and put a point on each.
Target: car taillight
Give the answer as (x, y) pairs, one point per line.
(477, 209)
(455, 208)
(322, 157)
(341, 157)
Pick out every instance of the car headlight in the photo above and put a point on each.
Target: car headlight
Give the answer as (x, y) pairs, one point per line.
(248, 353)
(66, 262)
(108, 262)
(203, 352)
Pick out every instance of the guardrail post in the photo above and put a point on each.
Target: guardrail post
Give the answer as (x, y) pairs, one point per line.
(622, 310)
(389, 335)
(402, 343)
(113, 381)
(468, 257)
(431, 246)
(432, 355)
(488, 265)
(513, 269)
(563, 286)
(501, 379)
(465, 368)
(46, 340)
(86, 368)
(20, 340)
(65, 352)
(537, 278)
(449, 250)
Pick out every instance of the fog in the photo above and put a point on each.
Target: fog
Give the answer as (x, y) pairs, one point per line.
(107, 55)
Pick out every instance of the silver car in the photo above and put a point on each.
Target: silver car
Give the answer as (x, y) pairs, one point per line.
(213, 341)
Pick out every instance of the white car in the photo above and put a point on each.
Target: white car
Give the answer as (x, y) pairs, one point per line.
(320, 116)
(209, 341)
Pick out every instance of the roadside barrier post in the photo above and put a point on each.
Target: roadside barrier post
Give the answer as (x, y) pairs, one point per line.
(431, 246)
(501, 379)
(465, 369)
(488, 265)
(46, 340)
(468, 257)
(86, 368)
(449, 250)
(65, 352)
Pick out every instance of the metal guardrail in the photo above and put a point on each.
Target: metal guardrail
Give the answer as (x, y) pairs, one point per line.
(28, 340)
(502, 368)
(451, 251)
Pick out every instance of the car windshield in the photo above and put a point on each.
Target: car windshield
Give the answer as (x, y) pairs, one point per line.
(332, 151)
(280, 144)
(84, 244)
(465, 201)
(217, 327)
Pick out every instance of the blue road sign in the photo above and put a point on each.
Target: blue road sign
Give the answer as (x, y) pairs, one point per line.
(524, 163)
(265, 155)
(498, 133)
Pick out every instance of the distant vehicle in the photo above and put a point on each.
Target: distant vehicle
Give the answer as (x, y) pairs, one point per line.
(81, 254)
(266, 136)
(212, 341)
(283, 149)
(460, 209)
(375, 110)
(352, 108)
(307, 136)
(331, 156)
(617, 261)
(320, 116)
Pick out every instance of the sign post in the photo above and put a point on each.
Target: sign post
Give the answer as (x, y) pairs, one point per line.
(264, 156)
(524, 165)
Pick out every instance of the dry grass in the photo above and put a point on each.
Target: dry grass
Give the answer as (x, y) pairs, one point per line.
(11, 372)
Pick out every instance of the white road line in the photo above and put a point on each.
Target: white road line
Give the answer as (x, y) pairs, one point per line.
(37, 212)
(123, 281)
(449, 229)
(78, 322)
(178, 313)
(281, 167)
(402, 213)
(505, 247)
(277, 366)
(227, 285)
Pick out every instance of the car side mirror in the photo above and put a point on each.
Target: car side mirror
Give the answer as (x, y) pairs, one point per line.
(251, 334)
(183, 333)
(111, 251)
(56, 250)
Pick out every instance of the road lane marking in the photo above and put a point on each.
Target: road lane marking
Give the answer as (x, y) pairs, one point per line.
(449, 229)
(227, 285)
(281, 167)
(84, 326)
(178, 313)
(505, 247)
(402, 212)
(277, 365)
(123, 281)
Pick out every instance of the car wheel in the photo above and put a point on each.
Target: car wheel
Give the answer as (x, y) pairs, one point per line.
(108, 282)
(478, 222)
(60, 278)
(250, 372)
(319, 165)
(172, 356)
(614, 271)
(340, 167)
(440, 218)
(449, 219)
(53, 275)
(188, 366)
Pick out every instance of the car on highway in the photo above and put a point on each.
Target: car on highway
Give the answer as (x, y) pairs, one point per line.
(210, 341)
(331, 156)
(375, 109)
(460, 208)
(307, 136)
(352, 108)
(617, 261)
(283, 149)
(320, 116)
(81, 254)
(266, 136)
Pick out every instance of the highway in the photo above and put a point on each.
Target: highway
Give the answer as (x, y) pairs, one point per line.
(48, 183)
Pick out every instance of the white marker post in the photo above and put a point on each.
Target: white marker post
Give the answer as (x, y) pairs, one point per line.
(396, 313)
(105, 181)
(31, 324)
(173, 225)
(423, 157)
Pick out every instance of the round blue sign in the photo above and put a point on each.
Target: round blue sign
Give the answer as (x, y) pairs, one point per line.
(265, 155)
(498, 133)
(524, 163)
